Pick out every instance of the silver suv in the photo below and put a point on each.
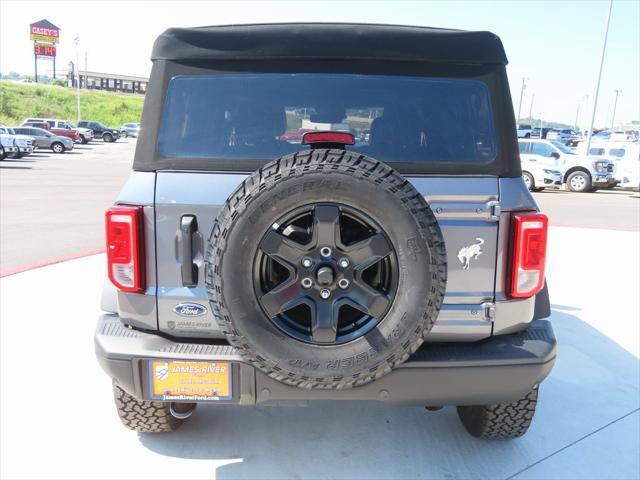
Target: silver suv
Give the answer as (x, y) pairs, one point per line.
(249, 266)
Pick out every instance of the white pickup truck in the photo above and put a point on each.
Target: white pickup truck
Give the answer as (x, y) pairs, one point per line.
(580, 173)
(524, 131)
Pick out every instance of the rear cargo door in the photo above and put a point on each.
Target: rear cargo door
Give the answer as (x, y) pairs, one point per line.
(468, 212)
(186, 207)
(187, 204)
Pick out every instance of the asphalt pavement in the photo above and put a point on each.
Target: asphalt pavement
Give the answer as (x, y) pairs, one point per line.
(52, 206)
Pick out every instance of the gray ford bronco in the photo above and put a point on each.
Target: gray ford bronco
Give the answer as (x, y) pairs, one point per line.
(326, 212)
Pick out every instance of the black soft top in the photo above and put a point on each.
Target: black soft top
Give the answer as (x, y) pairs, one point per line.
(345, 41)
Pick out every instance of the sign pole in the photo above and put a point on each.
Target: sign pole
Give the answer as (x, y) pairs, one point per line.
(35, 61)
(54, 67)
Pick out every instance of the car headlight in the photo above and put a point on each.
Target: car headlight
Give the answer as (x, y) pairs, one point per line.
(601, 167)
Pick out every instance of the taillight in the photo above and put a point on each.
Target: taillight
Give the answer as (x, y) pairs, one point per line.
(529, 234)
(125, 247)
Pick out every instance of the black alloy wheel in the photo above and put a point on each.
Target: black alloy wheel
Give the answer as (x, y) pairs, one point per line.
(325, 273)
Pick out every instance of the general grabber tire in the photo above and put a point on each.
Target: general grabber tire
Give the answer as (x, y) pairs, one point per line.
(500, 420)
(148, 416)
(326, 269)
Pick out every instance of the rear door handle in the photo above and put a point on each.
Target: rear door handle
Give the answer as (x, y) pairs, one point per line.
(189, 270)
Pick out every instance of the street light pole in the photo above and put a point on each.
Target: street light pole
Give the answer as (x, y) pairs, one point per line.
(77, 72)
(615, 104)
(584, 97)
(521, 94)
(533, 96)
(595, 98)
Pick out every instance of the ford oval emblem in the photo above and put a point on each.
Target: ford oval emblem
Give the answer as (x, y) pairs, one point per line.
(190, 310)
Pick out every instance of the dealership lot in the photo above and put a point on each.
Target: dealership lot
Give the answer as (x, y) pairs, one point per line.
(52, 206)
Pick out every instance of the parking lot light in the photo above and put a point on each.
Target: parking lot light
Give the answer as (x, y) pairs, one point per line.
(595, 98)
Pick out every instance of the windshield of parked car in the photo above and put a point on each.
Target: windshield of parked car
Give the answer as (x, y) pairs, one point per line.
(563, 148)
(393, 118)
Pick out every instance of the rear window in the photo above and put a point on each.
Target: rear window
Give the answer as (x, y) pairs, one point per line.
(393, 118)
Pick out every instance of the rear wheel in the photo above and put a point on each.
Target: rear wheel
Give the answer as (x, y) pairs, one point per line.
(579, 181)
(57, 147)
(500, 420)
(84, 139)
(148, 416)
(3, 155)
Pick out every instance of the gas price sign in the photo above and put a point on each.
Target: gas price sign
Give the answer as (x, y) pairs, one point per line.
(44, 49)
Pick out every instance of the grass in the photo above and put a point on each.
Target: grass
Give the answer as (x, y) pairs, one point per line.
(22, 100)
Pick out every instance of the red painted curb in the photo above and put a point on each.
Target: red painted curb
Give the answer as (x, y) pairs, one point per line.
(45, 263)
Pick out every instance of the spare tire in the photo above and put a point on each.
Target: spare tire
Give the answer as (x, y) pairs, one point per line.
(326, 269)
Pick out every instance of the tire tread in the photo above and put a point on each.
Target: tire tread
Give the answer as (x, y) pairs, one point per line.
(297, 165)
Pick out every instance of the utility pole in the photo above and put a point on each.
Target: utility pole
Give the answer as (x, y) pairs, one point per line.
(595, 98)
(533, 96)
(615, 104)
(521, 94)
(77, 72)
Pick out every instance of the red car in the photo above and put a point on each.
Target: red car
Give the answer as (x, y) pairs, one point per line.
(294, 137)
(42, 123)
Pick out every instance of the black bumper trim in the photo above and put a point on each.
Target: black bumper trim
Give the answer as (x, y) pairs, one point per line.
(499, 369)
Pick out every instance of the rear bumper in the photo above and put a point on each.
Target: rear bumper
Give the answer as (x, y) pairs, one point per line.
(501, 369)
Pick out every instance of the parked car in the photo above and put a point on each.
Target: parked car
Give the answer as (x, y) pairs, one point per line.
(85, 135)
(624, 155)
(7, 145)
(538, 177)
(524, 131)
(50, 125)
(24, 143)
(294, 137)
(99, 130)
(579, 172)
(320, 275)
(567, 136)
(129, 130)
(535, 133)
(46, 139)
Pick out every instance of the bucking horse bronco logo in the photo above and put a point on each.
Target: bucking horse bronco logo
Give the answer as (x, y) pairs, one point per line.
(465, 254)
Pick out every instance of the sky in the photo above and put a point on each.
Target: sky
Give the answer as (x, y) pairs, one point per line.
(556, 45)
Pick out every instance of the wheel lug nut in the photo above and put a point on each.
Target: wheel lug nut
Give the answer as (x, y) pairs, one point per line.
(343, 283)
(343, 262)
(307, 282)
(325, 293)
(307, 262)
(325, 252)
